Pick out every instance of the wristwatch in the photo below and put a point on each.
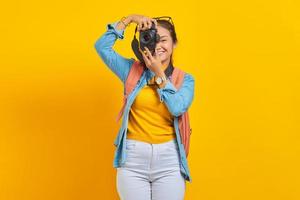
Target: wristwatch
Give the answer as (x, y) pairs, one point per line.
(160, 80)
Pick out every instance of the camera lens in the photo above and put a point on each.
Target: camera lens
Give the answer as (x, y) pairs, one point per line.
(147, 37)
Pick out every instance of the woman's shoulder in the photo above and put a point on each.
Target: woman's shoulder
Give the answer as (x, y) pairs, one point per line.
(187, 74)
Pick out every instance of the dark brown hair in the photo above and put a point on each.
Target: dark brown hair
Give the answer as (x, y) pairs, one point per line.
(171, 28)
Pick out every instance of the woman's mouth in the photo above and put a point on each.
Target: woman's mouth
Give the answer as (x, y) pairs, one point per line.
(159, 53)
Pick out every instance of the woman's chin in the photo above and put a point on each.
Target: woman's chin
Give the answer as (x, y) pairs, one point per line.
(163, 58)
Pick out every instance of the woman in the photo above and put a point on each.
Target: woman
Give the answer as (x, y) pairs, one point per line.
(150, 159)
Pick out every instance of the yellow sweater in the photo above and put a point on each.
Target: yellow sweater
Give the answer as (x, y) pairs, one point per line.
(149, 119)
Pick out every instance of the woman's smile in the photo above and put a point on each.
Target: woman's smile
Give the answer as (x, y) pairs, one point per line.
(160, 52)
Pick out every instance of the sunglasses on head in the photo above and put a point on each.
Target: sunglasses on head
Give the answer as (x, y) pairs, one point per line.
(166, 18)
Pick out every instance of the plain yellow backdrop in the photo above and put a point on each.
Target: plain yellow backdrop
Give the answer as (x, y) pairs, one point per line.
(58, 100)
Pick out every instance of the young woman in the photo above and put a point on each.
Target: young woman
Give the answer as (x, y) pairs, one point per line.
(150, 159)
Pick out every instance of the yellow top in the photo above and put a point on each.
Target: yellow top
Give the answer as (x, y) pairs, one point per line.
(149, 119)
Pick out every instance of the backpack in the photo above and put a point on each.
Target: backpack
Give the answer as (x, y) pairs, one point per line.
(176, 79)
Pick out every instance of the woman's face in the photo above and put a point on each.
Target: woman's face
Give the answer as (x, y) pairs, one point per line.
(164, 47)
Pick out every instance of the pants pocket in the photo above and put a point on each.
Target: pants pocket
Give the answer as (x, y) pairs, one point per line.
(130, 144)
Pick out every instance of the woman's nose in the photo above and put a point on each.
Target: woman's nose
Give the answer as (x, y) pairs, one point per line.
(158, 47)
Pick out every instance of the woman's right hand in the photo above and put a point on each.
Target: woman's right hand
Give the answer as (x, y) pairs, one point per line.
(142, 21)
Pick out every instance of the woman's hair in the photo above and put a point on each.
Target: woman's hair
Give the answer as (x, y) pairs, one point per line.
(169, 26)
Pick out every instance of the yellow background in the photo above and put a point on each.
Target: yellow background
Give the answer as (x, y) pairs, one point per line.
(58, 100)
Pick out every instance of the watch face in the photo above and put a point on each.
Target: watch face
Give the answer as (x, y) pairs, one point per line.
(158, 80)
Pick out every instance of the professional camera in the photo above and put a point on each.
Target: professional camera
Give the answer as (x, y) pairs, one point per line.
(147, 38)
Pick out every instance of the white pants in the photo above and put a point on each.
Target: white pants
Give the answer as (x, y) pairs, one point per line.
(151, 172)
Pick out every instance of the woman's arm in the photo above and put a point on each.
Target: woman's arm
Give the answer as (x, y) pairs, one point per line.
(117, 63)
(104, 47)
(178, 101)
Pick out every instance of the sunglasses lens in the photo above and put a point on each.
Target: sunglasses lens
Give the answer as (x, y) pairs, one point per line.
(164, 18)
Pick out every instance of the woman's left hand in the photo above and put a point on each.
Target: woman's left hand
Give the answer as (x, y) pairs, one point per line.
(152, 62)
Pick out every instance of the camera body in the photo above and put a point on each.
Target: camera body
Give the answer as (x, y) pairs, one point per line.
(147, 38)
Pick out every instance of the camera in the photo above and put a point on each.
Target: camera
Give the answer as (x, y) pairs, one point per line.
(147, 38)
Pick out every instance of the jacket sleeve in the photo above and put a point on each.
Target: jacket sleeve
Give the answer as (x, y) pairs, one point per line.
(178, 101)
(118, 64)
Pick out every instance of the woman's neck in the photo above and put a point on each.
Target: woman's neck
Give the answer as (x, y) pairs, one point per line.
(165, 64)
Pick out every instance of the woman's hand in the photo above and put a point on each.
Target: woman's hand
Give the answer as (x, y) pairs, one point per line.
(143, 22)
(152, 62)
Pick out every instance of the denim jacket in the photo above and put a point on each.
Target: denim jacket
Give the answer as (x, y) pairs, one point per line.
(177, 101)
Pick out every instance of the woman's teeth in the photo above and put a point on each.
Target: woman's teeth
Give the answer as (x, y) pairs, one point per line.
(160, 52)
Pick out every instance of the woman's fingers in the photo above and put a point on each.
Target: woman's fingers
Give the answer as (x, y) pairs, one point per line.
(147, 62)
(146, 23)
(149, 54)
(154, 21)
(149, 23)
(140, 26)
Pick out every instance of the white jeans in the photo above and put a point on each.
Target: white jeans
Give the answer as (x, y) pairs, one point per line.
(151, 172)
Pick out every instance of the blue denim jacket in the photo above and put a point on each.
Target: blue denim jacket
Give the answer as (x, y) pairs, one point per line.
(177, 101)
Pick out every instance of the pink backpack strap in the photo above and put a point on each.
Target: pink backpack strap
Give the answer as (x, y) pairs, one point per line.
(186, 131)
(177, 77)
(133, 77)
(183, 120)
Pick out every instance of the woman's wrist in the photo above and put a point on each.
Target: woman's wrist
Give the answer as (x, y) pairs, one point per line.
(132, 18)
(124, 22)
(127, 20)
(164, 81)
(159, 72)
(163, 84)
